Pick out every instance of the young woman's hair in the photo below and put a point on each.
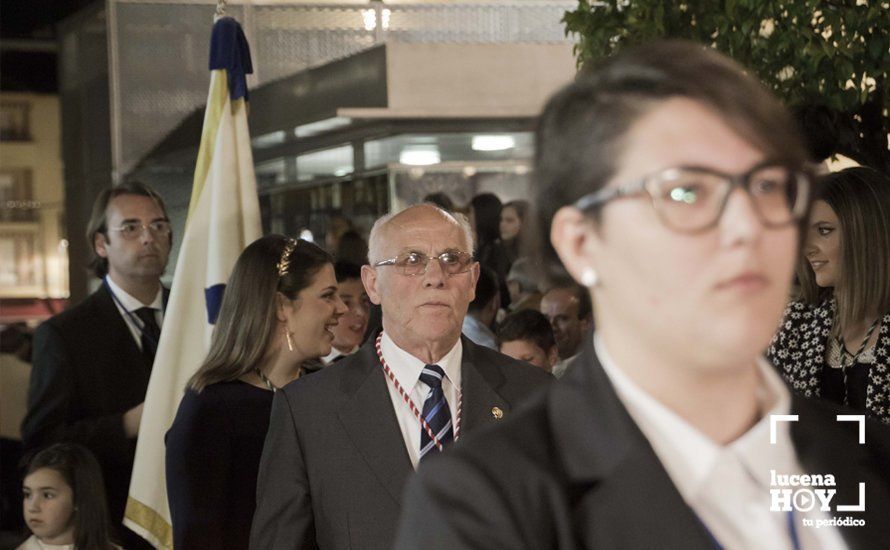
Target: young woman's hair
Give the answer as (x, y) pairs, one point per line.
(487, 214)
(582, 131)
(247, 320)
(860, 198)
(80, 470)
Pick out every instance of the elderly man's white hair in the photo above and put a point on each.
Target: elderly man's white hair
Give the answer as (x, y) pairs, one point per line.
(375, 242)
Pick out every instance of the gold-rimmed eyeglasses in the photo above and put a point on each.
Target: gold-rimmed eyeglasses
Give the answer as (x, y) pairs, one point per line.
(415, 263)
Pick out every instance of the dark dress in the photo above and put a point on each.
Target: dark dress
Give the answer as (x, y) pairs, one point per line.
(213, 456)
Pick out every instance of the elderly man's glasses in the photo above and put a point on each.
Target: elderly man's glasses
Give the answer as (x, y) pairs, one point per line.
(412, 264)
(692, 199)
(133, 230)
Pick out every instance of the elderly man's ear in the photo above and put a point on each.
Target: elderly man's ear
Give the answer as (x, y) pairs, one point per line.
(369, 279)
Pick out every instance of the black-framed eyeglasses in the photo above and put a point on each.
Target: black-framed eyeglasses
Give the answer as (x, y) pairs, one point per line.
(415, 263)
(133, 230)
(690, 199)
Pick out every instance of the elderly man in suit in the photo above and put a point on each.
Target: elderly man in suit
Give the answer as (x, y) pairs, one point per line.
(92, 362)
(342, 442)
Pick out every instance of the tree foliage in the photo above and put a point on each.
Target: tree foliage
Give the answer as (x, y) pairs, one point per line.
(832, 54)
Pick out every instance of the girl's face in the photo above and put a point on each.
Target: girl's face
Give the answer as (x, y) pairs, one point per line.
(823, 248)
(48, 506)
(510, 223)
(314, 314)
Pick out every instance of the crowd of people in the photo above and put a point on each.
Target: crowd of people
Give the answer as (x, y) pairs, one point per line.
(612, 386)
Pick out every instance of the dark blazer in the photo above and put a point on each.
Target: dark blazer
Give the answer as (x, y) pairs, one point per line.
(88, 371)
(335, 463)
(572, 470)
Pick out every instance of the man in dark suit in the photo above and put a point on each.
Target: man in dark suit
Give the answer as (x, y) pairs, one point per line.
(92, 362)
(657, 173)
(342, 442)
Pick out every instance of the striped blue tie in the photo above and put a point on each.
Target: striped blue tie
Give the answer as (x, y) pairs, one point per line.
(435, 411)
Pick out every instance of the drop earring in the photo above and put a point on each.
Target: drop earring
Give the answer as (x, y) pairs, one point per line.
(290, 343)
(589, 278)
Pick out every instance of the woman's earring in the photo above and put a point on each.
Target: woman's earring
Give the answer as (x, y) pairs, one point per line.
(290, 343)
(589, 278)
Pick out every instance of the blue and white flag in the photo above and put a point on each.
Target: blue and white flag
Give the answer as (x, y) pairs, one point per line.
(223, 218)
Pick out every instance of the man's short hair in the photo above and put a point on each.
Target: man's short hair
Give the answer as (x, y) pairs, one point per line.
(99, 218)
(486, 289)
(529, 325)
(344, 271)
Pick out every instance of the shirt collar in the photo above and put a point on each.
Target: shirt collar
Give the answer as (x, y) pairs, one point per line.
(132, 304)
(335, 353)
(406, 368)
(687, 454)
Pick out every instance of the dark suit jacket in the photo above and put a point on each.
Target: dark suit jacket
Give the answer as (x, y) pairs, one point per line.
(334, 463)
(88, 371)
(572, 470)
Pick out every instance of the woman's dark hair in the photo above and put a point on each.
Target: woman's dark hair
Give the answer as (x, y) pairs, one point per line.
(247, 321)
(860, 198)
(580, 134)
(80, 470)
(487, 213)
(440, 199)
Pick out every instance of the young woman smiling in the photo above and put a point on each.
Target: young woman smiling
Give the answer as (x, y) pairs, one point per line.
(834, 341)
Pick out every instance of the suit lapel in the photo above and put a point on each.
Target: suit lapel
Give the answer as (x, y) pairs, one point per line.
(369, 419)
(622, 493)
(479, 384)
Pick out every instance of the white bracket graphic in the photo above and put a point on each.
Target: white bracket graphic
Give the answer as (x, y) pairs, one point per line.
(776, 418)
(855, 418)
(858, 507)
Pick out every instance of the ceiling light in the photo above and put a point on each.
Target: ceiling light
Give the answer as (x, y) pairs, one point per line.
(420, 156)
(493, 143)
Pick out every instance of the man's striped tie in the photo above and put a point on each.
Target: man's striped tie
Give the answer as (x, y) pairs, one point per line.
(435, 411)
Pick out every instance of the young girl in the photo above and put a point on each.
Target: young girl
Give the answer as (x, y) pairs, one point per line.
(64, 501)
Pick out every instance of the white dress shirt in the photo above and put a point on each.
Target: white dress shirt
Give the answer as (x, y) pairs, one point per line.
(127, 303)
(559, 369)
(728, 486)
(406, 368)
(335, 353)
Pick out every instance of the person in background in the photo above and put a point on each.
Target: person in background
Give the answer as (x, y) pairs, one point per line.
(526, 335)
(485, 209)
(63, 500)
(677, 187)
(277, 313)
(834, 340)
(479, 323)
(512, 229)
(349, 333)
(440, 199)
(92, 363)
(338, 224)
(523, 286)
(568, 308)
(352, 248)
